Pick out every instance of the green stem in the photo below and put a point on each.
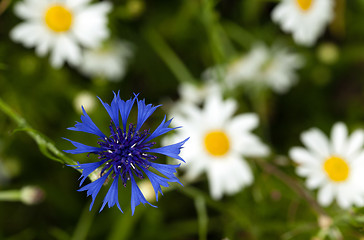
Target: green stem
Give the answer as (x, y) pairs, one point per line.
(290, 182)
(10, 195)
(211, 25)
(84, 224)
(169, 57)
(202, 217)
(124, 225)
(232, 210)
(239, 34)
(44, 144)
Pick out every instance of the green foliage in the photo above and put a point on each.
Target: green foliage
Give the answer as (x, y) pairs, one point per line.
(175, 41)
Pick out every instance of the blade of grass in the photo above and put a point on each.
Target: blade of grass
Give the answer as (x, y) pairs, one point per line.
(168, 56)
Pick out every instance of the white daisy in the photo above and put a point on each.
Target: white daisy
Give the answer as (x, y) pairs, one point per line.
(218, 144)
(263, 67)
(305, 19)
(334, 166)
(61, 27)
(109, 61)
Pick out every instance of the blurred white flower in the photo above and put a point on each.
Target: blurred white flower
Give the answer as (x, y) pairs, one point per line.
(85, 99)
(218, 143)
(274, 68)
(305, 19)
(109, 61)
(197, 93)
(61, 27)
(334, 166)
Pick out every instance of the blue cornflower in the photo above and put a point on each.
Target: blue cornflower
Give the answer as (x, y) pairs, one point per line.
(127, 152)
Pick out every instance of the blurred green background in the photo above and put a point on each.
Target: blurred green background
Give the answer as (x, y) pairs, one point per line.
(200, 33)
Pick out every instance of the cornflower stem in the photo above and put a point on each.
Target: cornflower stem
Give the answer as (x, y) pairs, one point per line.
(44, 144)
(124, 224)
(297, 188)
(10, 195)
(84, 224)
(169, 57)
(202, 217)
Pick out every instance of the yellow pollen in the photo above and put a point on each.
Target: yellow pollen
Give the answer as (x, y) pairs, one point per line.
(336, 168)
(217, 143)
(304, 4)
(58, 18)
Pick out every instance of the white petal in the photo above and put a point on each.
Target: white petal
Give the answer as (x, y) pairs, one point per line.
(339, 136)
(316, 141)
(302, 156)
(76, 4)
(249, 145)
(344, 197)
(195, 167)
(72, 51)
(216, 180)
(243, 122)
(315, 180)
(355, 143)
(90, 25)
(326, 195)
(31, 9)
(218, 111)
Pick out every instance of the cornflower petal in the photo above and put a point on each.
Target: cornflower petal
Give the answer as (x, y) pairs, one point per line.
(94, 188)
(158, 181)
(125, 108)
(163, 128)
(167, 170)
(87, 125)
(137, 196)
(172, 151)
(112, 197)
(82, 148)
(144, 112)
(113, 110)
(87, 169)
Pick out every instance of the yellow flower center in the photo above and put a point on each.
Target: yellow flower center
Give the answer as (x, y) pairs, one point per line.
(217, 143)
(337, 169)
(58, 18)
(304, 4)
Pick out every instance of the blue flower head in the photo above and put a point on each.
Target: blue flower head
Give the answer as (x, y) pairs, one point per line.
(126, 153)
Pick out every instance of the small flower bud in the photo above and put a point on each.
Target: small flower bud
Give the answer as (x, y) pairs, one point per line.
(31, 195)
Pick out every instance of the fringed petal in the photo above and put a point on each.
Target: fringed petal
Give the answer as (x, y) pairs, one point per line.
(113, 108)
(144, 112)
(94, 188)
(137, 196)
(158, 181)
(112, 197)
(82, 148)
(87, 125)
(87, 169)
(167, 170)
(125, 108)
(170, 150)
(161, 129)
